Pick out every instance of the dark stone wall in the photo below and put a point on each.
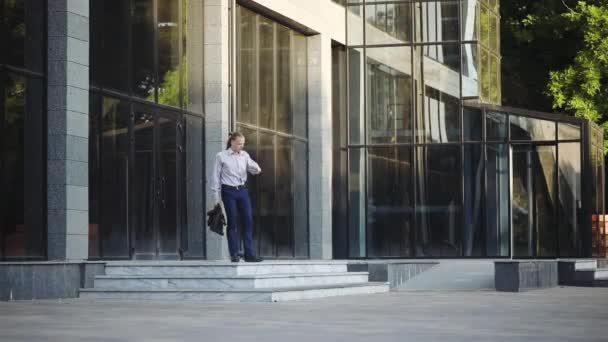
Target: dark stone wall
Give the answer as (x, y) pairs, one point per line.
(45, 280)
(516, 276)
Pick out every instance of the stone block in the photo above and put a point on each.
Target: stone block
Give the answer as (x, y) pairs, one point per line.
(77, 197)
(57, 219)
(80, 7)
(77, 26)
(77, 222)
(77, 148)
(56, 246)
(76, 173)
(56, 196)
(77, 124)
(77, 99)
(516, 276)
(77, 76)
(77, 247)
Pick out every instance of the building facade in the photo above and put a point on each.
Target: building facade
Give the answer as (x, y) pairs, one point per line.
(378, 126)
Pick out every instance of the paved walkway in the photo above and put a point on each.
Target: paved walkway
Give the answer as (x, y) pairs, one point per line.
(560, 314)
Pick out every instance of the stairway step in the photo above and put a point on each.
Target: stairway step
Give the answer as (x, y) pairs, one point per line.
(601, 282)
(223, 269)
(601, 273)
(233, 282)
(583, 265)
(252, 295)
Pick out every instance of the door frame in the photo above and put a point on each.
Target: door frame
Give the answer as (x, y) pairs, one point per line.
(533, 145)
(158, 192)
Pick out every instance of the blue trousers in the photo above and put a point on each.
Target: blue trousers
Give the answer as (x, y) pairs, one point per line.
(238, 204)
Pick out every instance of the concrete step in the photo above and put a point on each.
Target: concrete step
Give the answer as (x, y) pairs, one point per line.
(585, 264)
(600, 282)
(601, 273)
(254, 295)
(234, 282)
(222, 269)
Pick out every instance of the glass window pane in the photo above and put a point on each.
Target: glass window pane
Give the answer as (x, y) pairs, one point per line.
(524, 128)
(389, 204)
(494, 80)
(470, 70)
(568, 131)
(534, 201)
(441, 117)
(246, 67)
(356, 208)
(356, 72)
(388, 24)
(110, 39)
(470, 20)
(570, 200)
(354, 25)
(192, 59)
(497, 201)
(472, 124)
(545, 200)
(143, 49)
(473, 237)
(94, 174)
(300, 203)
(114, 185)
(25, 34)
(438, 201)
(484, 22)
(193, 240)
(265, 197)
(486, 80)
(284, 80)
(300, 85)
(283, 211)
(439, 21)
(266, 29)
(168, 53)
(389, 94)
(496, 126)
(493, 32)
(22, 175)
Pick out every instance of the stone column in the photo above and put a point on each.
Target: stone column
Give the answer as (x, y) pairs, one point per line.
(217, 102)
(320, 146)
(68, 129)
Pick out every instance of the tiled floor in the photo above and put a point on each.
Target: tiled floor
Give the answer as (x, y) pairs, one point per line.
(559, 314)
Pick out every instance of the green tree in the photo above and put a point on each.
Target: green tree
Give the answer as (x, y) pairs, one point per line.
(581, 88)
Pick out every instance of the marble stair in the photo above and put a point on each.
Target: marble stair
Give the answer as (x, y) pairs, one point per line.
(269, 281)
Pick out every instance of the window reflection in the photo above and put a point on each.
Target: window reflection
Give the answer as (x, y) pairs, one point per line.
(438, 201)
(389, 204)
(272, 113)
(22, 165)
(389, 94)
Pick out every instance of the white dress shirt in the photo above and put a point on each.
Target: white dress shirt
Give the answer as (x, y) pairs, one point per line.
(231, 169)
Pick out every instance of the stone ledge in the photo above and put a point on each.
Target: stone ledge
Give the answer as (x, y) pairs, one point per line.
(523, 275)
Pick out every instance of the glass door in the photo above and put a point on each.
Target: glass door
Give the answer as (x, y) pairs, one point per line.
(533, 205)
(155, 175)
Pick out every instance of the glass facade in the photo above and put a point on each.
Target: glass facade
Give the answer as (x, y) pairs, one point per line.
(146, 171)
(272, 112)
(427, 175)
(22, 129)
(425, 164)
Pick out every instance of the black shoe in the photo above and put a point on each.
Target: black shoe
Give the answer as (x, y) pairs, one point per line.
(253, 258)
(235, 258)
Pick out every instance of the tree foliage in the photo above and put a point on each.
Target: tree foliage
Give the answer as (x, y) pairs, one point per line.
(581, 88)
(555, 56)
